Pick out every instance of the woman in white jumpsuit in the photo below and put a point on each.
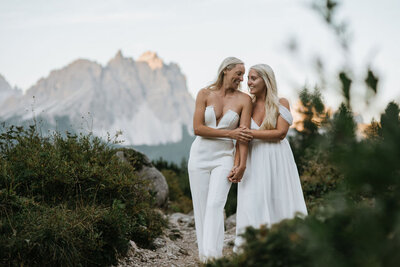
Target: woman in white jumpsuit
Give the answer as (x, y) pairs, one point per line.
(270, 190)
(219, 109)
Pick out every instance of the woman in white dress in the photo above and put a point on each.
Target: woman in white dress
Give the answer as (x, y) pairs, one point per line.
(219, 109)
(270, 190)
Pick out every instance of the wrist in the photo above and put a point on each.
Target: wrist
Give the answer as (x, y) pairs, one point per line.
(228, 133)
(242, 166)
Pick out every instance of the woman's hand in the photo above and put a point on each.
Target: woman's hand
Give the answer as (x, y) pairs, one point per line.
(236, 174)
(241, 134)
(232, 173)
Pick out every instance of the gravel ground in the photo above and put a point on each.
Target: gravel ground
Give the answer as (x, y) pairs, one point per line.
(176, 247)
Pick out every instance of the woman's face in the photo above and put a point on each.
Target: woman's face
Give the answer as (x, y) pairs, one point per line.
(256, 83)
(234, 76)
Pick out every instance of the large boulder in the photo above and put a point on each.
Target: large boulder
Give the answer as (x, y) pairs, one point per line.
(145, 169)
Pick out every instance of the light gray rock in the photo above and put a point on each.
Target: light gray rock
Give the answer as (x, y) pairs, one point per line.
(132, 248)
(230, 222)
(121, 156)
(159, 243)
(229, 237)
(180, 219)
(158, 182)
(150, 173)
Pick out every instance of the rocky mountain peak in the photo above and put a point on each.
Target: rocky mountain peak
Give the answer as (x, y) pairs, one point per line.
(148, 105)
(76, 67)
(119, 60)
(7, 92)
(118, 56)
(152, 59)
(4, 85)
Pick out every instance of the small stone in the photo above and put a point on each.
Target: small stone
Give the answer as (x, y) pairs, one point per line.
(183, 251)
(133, 249)
(174, 236)
(230, 222)
(172, 256)
(159, 243)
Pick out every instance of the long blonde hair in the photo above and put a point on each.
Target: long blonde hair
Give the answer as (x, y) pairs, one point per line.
(271, 98)
(227, 64)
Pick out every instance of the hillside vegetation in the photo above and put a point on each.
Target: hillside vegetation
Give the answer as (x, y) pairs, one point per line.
(69, 201)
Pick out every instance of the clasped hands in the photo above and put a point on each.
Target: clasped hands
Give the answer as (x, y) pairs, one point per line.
(236, 174)
(241, 134)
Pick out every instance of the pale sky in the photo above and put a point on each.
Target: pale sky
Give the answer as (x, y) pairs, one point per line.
(43, 35)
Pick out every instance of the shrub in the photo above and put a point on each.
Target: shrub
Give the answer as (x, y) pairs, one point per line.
(69, 201)
(178, 184)
(358, 224)
(319, 178)
(178, 201)
(39, 235)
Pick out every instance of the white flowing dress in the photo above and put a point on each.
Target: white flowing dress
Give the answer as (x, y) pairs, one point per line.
(210, 161)
(270, 190)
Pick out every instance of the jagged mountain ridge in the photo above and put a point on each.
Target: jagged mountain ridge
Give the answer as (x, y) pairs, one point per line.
(6, 90)
(147, 99)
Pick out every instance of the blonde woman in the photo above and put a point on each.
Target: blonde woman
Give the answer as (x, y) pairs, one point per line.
(219, 109)
(270, 190)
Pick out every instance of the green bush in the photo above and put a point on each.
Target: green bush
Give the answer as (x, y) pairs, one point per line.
(178, 185)
(39, 235)
(178, 201)
(319, 178)
(279, 246)
(318, 174)
(358, 223)
(69, 201)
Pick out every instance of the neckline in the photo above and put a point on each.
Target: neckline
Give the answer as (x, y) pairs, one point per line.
(222, 116)
(280, 106)
(256, 122)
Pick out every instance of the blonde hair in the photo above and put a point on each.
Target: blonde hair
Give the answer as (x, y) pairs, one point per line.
(227, 64)
(271, 98)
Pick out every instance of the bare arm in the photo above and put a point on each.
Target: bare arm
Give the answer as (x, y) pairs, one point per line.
(245, 118)
(201, 129)
(277, 134)
(237, 158)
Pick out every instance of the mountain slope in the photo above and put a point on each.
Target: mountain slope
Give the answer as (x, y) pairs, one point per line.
(146, 99)
(6, 91)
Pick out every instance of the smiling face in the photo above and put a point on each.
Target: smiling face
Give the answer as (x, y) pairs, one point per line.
(256, 84)
(234, 76)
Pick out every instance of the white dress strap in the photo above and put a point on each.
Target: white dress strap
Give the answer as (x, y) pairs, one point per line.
(285, 114)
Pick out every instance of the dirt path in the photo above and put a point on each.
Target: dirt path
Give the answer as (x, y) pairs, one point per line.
(176, 247)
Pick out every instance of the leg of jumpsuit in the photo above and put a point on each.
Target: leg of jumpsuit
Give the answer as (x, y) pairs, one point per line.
(213, 228)
(199, 180)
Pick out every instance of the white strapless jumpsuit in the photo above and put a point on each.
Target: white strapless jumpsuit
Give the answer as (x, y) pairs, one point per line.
(210, 161)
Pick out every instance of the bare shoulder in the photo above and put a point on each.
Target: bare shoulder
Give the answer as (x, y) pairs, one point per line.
(244, 98)
(202, 95)
(204, 92)
(284, 102)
